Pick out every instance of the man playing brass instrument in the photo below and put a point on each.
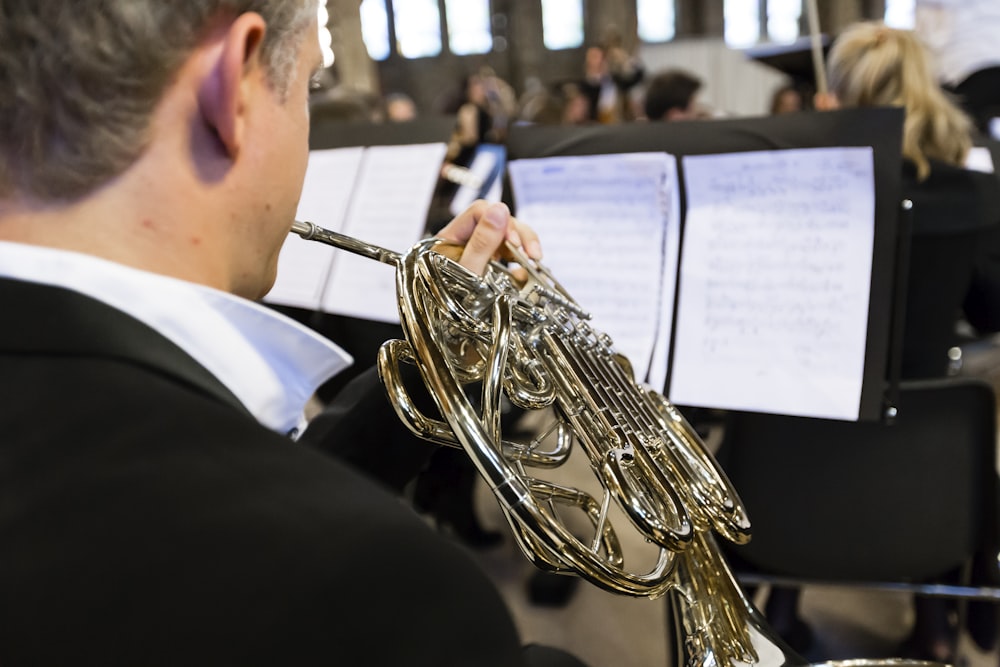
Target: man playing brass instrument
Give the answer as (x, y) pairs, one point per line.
(154, 509)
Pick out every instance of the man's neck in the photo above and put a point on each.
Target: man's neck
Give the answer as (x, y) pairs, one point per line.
(130, 221)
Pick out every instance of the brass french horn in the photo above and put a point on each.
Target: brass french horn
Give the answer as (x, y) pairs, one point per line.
(479, 341)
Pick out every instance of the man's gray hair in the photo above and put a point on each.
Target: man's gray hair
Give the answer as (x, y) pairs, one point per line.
(79, 81)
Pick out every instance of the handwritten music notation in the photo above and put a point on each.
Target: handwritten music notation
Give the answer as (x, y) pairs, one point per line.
(775, 281)
(609, 225)
(389, 209)
(303, 266)
(772, 303)
(380, 195)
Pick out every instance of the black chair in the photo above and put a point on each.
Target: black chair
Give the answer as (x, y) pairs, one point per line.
(951, 265)
(879, 505)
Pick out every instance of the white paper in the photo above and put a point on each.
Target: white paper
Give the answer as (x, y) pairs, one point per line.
(485, 171)
(979, 159)
(388, 209)
(303, 266)
(774, 282)
(606, 223)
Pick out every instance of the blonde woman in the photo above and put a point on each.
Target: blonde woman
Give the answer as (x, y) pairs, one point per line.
(954, 260)
(874, 65)
(955, 210)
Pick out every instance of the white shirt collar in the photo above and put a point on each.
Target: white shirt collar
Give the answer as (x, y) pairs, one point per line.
(271, 363)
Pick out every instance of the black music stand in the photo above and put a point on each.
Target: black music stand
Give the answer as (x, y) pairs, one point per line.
(880, 129)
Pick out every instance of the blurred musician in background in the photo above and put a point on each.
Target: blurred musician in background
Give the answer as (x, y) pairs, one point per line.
(873, 65)
(787, 98)
(156, 506)
(673, 95)
(609, 73)
(953, 252)
(399, 108)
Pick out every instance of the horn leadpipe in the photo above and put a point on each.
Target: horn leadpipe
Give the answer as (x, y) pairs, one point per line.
(312, 232)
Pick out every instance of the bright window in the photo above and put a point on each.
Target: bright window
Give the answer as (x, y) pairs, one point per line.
(325, 38)
(656, 20)
(418, 28)
(750, 21)
(375, 28)
(468, 26)
(742, 20)
(562, 23)
(900, 13)
(783, 20)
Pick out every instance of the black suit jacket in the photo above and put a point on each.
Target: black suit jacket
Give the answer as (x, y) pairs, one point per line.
(147, 519)
(954, 263)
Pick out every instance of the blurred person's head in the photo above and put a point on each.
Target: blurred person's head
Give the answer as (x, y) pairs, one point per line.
(576, 106)
(475, 89)
(399, 108)
(672, 95)
(872, 65)
(786, 99)
(595, 62)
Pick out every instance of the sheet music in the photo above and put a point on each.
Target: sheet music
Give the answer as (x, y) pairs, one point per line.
(775, 280)
(303, 266)
(606, 223)
(486, 170)
(389, 209)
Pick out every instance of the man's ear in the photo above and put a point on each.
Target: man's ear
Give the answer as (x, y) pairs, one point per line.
(224, 92)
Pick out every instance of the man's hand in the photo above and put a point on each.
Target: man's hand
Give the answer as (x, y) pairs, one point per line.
(826, 102)
(482, 229)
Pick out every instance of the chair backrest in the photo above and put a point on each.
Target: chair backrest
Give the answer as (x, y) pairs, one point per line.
(940, 272)
(863, 501)
(954, 214)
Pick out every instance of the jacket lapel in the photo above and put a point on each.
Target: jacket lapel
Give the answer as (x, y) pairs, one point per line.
(65, 322)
